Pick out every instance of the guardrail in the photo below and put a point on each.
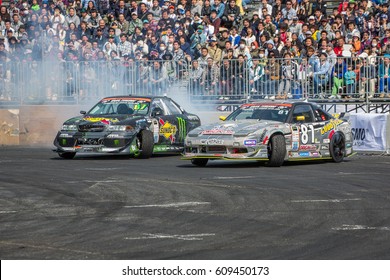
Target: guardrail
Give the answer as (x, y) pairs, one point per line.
(332, 79)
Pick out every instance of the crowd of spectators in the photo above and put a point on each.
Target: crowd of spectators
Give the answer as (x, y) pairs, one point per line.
(262, 46)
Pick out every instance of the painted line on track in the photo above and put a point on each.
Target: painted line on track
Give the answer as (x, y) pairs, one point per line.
(337, 200)
(169, 205)
(228, 178)
(198, 236)
(359, 227)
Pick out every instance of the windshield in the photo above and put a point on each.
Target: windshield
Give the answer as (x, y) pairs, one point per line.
(271, 113)
(118, 106)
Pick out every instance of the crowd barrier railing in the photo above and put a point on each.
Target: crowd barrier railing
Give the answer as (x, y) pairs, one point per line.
(333, 78)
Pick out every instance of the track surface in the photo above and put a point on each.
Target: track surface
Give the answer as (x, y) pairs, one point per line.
(164, 208)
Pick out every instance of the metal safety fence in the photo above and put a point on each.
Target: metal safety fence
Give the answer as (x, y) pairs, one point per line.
(316, 78)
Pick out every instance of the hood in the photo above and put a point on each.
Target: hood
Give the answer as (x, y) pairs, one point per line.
(243, 127)
(99, 123)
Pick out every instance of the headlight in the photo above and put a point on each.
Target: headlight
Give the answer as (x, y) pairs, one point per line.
(69, 127)
(120, 128)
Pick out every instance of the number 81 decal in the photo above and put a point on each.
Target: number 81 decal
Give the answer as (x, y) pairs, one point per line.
(306, 131)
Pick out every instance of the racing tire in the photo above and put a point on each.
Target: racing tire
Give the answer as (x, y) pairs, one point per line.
(67, 155)
(276, 151)
(201, 162)
(145, 144)
(337, 148)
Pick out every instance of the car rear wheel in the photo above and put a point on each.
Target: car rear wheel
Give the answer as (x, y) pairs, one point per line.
(67, 155)
(145, 144)
(337, 148)
(276, 150)
(201, 162)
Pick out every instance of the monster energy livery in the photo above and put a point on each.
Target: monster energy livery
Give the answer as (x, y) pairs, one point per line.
(139, 126)
(275, 132)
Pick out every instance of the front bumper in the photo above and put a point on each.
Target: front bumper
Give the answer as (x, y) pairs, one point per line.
(95, 142)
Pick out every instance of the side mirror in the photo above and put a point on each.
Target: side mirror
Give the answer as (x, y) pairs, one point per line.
(83, 112)
(222, 118)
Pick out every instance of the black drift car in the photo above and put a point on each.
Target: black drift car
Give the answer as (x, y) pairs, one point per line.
(134, 125)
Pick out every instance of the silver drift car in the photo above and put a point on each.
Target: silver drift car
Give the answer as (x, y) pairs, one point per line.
(274, 132)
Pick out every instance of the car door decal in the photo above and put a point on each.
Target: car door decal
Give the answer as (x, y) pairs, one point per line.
(167, 130)
(182, 124)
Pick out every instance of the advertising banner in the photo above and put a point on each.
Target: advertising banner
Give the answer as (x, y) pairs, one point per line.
(369, 132)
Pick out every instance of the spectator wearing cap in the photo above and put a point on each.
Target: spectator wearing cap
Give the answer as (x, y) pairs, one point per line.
(134, 23)
(255, 20)
(295, 26)
(197, 40)
(219, 7)
(356, 45)
(172, 13)
(332, 57)
(214, 51)
(321, 76)
(84, 15)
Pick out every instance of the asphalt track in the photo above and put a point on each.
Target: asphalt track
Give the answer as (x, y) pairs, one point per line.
(164, 208)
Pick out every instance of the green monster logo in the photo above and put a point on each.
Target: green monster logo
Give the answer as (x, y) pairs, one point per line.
(182, 128)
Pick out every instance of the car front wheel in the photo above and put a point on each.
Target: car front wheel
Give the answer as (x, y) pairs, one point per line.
(145, 144)
(337, 147)
(276, 150)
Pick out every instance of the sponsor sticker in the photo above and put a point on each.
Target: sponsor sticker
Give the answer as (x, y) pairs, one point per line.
(182, 128)
(304, 154)
(330, 126)
(212, 141)
(250, 142)
(217, 131)
(167, 130)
